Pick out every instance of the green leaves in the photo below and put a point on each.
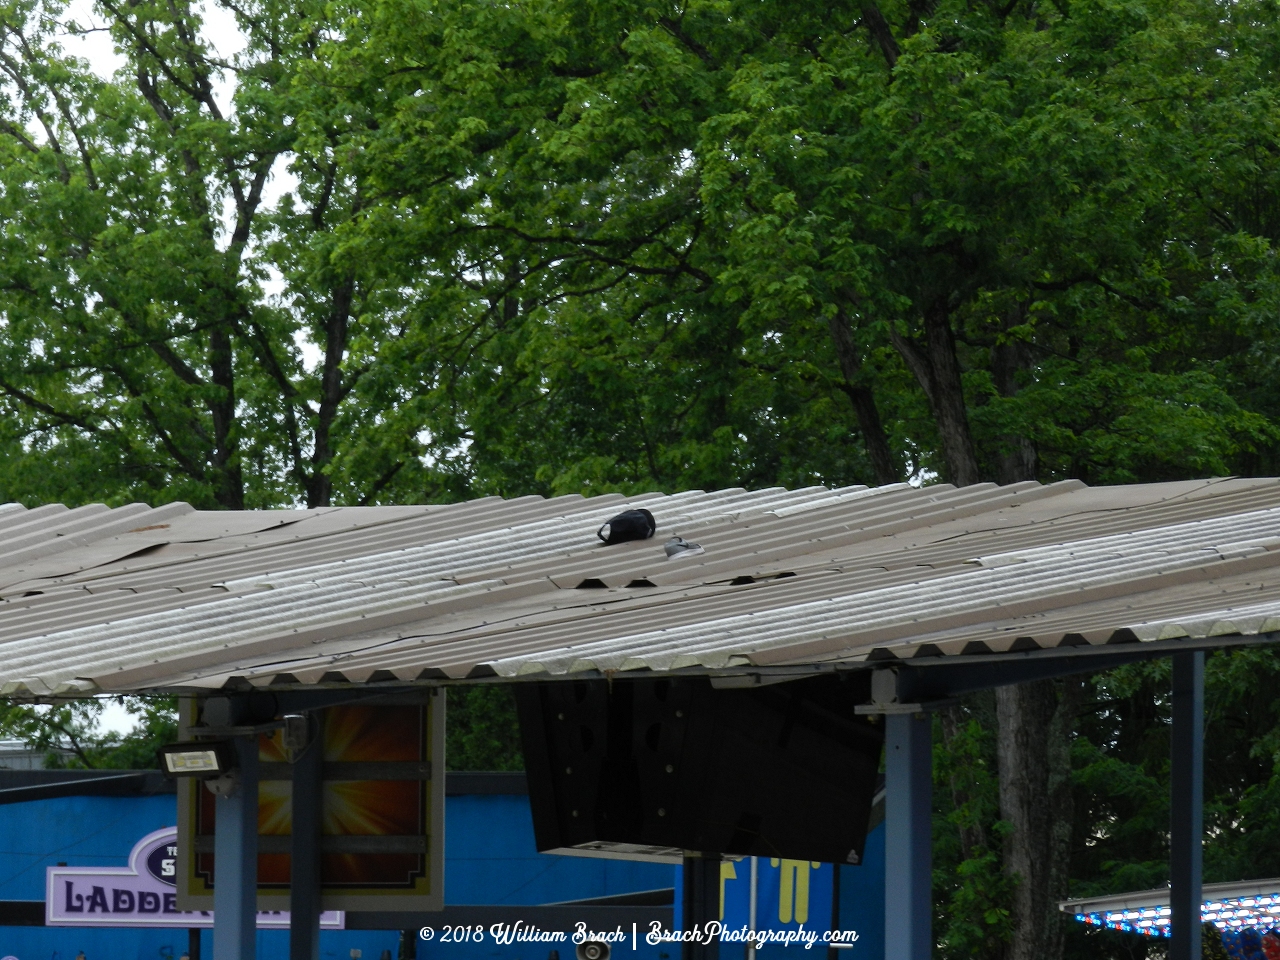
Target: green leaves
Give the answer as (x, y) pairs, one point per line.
(159, 310)
(577, 246)
(71, 737)
(626, 231)
(1115, 424)
(971, 891)
(482, 733)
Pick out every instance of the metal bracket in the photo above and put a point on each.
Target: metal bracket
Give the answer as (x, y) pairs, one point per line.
(245, 731)
(872, 709)
(741, 681)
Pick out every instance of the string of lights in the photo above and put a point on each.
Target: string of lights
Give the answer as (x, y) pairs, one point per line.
(1246, 914)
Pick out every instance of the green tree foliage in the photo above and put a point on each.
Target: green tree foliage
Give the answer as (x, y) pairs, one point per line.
(71, 736)
(1120, 773)
(972, 895)
(552, 247)
(481, 732)
(576, 246)
(984, 241)
(156, 308)
(702, 243)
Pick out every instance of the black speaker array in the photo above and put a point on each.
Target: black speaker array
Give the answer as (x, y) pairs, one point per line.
(785, 770)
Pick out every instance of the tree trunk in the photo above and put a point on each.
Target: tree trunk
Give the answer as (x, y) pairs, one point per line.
(319, 483)
(228, 483)
(1035, 725)
(1017, 457)
(937, 369)
(1034, 720)
(1033, 747)
(873, 19)
(948, 395)
(864, 402)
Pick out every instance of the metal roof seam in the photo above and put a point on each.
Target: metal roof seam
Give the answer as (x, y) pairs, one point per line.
(421, 593)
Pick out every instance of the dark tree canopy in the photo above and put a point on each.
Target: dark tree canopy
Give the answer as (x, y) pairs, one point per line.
(437, 249)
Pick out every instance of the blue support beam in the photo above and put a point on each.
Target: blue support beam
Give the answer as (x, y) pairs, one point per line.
(304, 850)
(908, 836)
(701, 904)
(1186, 828)
(235, 850)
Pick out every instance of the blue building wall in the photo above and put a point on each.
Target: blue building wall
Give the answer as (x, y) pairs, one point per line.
(860, 907)
(62, 943)
(80, 831)
(490, 858)
(100, 831)
(862, 900)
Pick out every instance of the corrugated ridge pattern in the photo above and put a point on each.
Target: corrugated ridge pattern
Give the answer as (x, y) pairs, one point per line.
(485, 587)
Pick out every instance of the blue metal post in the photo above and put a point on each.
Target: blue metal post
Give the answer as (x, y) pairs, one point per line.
(235, 850)
(908, 785)
(304, 854)
(1186, 828)
(701, 904)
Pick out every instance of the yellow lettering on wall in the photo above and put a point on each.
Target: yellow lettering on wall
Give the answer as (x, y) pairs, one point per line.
(793, 889)
(727, 872)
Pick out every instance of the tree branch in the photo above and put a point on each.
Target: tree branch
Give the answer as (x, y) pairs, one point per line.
(878, 27)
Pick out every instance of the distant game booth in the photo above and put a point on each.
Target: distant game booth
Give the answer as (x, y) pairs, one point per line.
(702, 678)
(1246, 915)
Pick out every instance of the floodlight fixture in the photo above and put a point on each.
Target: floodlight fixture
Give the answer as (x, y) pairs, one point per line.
(201, 759)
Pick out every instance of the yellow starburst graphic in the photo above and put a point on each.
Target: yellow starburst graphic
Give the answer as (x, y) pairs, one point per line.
(383, 808)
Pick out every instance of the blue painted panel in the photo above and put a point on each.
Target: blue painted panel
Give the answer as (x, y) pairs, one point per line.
(81, 831)
(100, 831)
(490, 857)
(488, 949)
(37, 943)
(789, 894)
(862, 900)
(861, 904)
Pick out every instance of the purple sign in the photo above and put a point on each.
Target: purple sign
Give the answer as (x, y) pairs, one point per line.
(143, 894)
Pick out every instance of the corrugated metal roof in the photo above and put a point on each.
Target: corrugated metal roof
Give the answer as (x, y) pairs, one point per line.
(136, 599)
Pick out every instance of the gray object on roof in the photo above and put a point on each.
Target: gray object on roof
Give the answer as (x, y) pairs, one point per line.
(136, 599)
